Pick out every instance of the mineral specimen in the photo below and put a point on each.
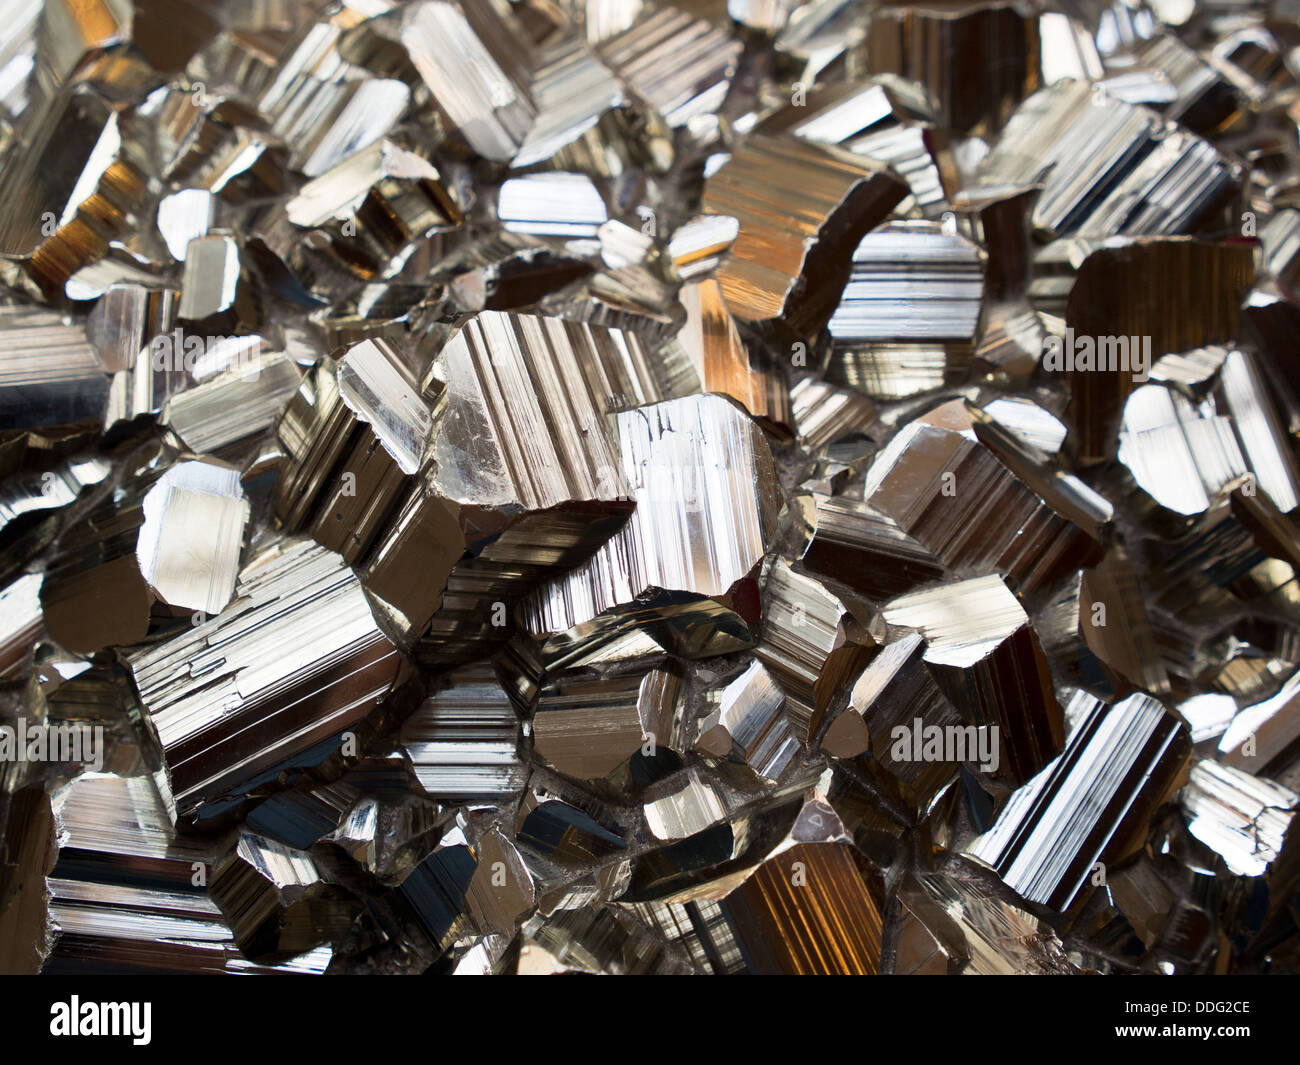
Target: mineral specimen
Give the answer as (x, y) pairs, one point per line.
(649, 487)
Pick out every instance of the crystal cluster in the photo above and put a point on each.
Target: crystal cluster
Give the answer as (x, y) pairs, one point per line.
(649, 486)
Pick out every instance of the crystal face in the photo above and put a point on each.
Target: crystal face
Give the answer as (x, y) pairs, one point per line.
(649, 487)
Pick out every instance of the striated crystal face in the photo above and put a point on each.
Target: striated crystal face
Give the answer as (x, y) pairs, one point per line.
(649, 487)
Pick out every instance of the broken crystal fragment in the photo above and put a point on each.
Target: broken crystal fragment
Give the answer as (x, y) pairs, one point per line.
(21, 622)
(125, 321)
(955, 923)
(275, 900)
(824, 413)
(572, 89)
(859, 545)
(1201, 286)
(561, 205)
(476, 68)
(1142, 179)
(72, 187)
(987, 659)
(692, 808)
(723, 363)
(898, 690)
(501, 889)
(233, 405)
(1246, 820)
(1259, 736)
(698, 244)
(929, 44)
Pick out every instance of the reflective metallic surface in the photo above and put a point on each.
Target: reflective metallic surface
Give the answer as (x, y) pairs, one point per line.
(649, 487)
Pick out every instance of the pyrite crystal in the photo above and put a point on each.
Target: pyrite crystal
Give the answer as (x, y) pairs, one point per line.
(649, 486)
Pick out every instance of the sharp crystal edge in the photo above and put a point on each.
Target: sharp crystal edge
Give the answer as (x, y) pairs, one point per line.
(751, 920)
(73, 190)
(1203, 285)
(949, 924)
(887, 120)
(778, 272)
(234, 405)
(1012, 334)
(559, 205)
(1099, 632)
(824, 413)
(1118, 758)
(476, 69)
(463, 741)
(898, 690)
(1146, 178)
(196, 509)
(750, 724)
(572, 89)
(649, 486)
(678, 65)
(587, 728)
(1246, 820)
(908, 317)
(123, 889)
(246, 710)
(354, 436)
(861, 546)
(811, 641)
(986, 657)
(936, 466)
(50, 375)
(525, 445)
(721, 359)
(700, 474)
(921, 43)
